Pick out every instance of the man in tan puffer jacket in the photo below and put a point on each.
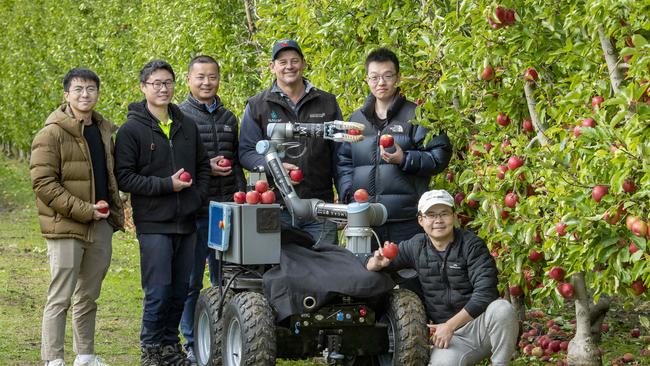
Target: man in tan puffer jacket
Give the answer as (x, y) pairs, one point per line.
(79, 208)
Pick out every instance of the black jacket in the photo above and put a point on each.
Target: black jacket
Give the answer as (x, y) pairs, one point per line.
(145, 159)
(398, 187)
(316, 157)
(219, 133)
(466, 277)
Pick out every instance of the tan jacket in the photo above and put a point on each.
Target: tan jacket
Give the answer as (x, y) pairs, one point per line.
(62, 177)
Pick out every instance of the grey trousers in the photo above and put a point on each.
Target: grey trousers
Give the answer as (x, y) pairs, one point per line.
(77, 270)
(493, 333)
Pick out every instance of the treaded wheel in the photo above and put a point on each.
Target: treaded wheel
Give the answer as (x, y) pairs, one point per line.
(208, 328)
(407, 330)
(248, 331)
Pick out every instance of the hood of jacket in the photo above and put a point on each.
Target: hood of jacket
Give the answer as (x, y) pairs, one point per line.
(64, 118)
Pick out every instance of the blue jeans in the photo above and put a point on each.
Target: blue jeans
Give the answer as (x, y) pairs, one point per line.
(323, 232)
(165, 265)
(201, 252)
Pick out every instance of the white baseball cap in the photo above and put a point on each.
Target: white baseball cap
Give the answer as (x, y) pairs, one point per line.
(435, 197)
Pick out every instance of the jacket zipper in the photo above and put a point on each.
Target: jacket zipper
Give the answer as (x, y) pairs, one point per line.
(178, 199)
(91, 228)
(377, 163)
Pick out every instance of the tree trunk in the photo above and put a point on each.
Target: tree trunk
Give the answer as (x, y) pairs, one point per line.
(611, 57)
(597, 316)
(582, 349)
(532, 111)
(249, 7)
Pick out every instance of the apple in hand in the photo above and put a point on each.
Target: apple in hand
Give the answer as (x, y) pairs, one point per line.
(239, 197)
(390, 250)
(224, 163)
(185, 177)
(361, 195)
(261, 186)
(268, 197)
(296, 175)
(103, 209)
(386, 141)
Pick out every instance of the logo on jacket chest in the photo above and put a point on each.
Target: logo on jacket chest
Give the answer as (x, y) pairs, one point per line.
(227, 128)
(275, 118)
(317, 115)
(396, 129)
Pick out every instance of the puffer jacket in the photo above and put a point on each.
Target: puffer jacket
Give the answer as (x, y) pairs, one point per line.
(464, 278)
(62, 177)
(219, 133)
(398, 187)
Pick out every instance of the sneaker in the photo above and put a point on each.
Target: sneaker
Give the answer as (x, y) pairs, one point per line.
(96, 361)
(150, 355)
(190, 355)
(57, 362)
(173, 355)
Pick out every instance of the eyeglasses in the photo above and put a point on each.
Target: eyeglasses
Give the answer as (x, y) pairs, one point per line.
(388, 78)
(209, 78)
(439, 215)
(157, 85)
(91, 90)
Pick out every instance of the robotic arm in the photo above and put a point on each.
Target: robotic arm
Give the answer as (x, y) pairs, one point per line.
(360, 216)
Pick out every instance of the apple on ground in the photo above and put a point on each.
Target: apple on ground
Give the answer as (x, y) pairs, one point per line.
(268, 197)
(261, 186)
(102, 209)
(635, 333)
(185, 177)
(239, 197)
(296, 175)
(253, 197)
(224, 163)
(361, 195)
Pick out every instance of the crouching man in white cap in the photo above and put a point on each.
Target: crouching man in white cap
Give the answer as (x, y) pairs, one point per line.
(459, 281)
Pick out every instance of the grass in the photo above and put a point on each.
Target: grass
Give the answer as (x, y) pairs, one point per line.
(24, 277)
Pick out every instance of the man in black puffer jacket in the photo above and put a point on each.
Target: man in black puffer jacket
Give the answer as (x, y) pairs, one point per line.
(154, 151)
(398, 176)
(459, 281)
(218, 129)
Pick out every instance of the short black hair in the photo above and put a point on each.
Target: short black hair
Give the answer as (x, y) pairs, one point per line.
(203, 59)
(153, 66)
(382, 55)
(79, 73)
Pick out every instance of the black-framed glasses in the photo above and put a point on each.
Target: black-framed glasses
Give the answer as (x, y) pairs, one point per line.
(157, 85)
(389, 78)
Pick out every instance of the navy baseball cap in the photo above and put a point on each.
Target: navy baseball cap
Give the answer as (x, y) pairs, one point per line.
(285, 44)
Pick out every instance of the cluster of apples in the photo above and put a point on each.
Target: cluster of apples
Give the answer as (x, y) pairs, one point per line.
(261, 194)
(504, 17)
(546, 340)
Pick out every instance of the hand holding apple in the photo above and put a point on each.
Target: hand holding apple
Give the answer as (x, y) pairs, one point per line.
(101, 210)
(220, 166)
(390, 250)
(181, 180)
(395, 157)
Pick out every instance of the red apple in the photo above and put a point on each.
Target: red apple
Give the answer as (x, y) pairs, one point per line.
(597, 101)
(503, 119)
(472, 204)
(185, 177)
(515, 162)
(390, 250)
(450, 176)
(502, 171)
(629, 186)
(556, 273)
(103, 209)
(354, 132)
(488, 147)
(361, 195)
(488, 73)
(516, 290)
(560, 228)
(239, 197)
(564, 345)
(535, 256)
(639, 228)
(633, 248)
(576, 131)
(261, 186)
(531, 75)
(505, 146)
(588, 122)
(617, 216)
(527, 125)
(628, 357)
(511, 200)
(598, 192)
(537, 352)
(459, 197)
(296, 175)
(224, 163)
(566, 290)
(504, 214)
(253, 197)
(554, 346)
(635, 333)
(638, 287)
(630, 220)
(268, 197)
(386, 141)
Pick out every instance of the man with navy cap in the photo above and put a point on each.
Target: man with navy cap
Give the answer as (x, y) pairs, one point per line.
(292, 98)
(459, 281)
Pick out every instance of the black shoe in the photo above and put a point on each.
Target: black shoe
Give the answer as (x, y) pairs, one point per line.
(150, 355)
(173, 355)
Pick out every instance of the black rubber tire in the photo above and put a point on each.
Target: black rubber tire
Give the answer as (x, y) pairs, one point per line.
(407, 327)
(208, 328)
(248, 331)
